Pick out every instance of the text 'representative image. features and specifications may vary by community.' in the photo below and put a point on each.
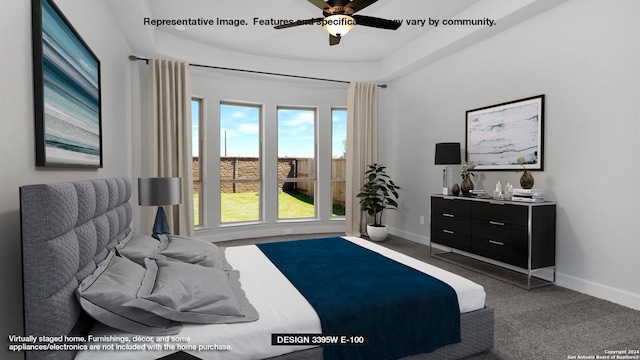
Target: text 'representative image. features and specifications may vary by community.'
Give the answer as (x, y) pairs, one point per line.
(420, 22)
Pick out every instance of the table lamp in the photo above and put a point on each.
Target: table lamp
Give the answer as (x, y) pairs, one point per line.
(158, 192)
(447, 154)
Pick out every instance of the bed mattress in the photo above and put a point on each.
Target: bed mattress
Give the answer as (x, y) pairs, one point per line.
(281, 307)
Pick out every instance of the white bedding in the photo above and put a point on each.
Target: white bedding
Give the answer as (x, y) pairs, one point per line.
(281, 307)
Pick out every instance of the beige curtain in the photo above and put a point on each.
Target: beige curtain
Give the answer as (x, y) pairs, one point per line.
(169, 133)
(362, 149)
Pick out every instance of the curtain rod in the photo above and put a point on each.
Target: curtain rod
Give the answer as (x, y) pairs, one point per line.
(136, 58)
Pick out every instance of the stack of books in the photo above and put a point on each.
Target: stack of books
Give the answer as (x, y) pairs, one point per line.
(528, 195)
(479, 194)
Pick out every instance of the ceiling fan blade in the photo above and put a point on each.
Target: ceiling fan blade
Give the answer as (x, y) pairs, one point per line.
(357, 5)
(298, 23)
(377, 22)
(334, 40)
(320, 4)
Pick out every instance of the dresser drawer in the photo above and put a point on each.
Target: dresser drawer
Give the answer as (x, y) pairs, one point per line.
(450, 206)
(516, 256)
(500, 212)
(508, 234)
(452, 222)
(451, 238)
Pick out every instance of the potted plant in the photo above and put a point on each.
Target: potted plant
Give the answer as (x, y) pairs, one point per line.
(378, 193)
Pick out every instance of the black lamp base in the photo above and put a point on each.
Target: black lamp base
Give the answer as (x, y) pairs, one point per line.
(161, 225)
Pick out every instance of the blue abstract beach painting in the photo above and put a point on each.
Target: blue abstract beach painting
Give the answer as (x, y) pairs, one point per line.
(71, 94)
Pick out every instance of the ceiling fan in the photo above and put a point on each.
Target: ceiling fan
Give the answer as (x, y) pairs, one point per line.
(339, 18)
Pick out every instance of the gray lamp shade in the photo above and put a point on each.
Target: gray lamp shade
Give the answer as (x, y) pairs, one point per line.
(159, 191)
(448, 153)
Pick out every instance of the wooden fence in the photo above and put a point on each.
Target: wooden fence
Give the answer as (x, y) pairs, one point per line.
(247, 169)
(306, 169)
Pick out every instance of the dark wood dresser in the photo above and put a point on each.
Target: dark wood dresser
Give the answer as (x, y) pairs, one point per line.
(520, 234)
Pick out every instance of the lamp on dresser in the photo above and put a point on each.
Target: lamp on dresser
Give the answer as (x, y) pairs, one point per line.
(447, 153)
(158, 192)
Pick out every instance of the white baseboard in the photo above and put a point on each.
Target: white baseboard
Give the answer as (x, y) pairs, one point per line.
(410, 236)
(618, 296)
(248, 232)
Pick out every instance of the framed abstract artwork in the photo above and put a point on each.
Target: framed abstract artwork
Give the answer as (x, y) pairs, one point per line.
(507, 136)
(68, 120)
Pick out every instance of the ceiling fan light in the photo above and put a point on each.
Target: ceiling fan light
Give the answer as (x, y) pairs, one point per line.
(338, 25)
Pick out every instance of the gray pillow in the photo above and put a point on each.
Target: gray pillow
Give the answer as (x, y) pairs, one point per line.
(136, 247)
(115, 282)
(194, 251)
(186, 292)
(190, 250)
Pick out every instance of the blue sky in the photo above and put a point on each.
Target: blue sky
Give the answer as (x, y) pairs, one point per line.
(240, 130)
(195, 127)
(296, 133)
(339, 129)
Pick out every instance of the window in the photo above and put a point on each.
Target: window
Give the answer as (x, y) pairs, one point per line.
(338, 161)
(240, 163)
(296, 163)
(198, 160)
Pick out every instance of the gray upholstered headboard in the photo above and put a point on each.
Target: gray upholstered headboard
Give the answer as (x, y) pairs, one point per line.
(67, 229)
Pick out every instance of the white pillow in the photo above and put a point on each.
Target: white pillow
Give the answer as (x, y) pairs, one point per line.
(115, 282)
(186, 292)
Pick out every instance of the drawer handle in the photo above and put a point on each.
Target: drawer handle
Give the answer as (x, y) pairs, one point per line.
(448, 215)
(496, 242)
(496, 223)
(448, 232)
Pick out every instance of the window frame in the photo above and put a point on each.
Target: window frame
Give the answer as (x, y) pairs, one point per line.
(314, 179)
(200, 222)
(338, 179)
(260, 161)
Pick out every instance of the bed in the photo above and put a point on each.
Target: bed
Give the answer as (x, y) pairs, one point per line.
(68, 229)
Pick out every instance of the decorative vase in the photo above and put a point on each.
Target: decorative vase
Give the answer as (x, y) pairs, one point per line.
(526, 180)
(455, 190)
(377, 233)
(466, 186)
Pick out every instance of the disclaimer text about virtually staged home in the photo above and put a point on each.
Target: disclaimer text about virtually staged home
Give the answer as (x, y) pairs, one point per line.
(431, 22)
(19, 343)
(109, 343)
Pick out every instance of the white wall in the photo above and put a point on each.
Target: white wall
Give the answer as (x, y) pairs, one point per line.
(584, 56)
(17, 154)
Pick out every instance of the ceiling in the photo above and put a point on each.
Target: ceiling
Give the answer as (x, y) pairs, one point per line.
(361, 44)
(364, 52)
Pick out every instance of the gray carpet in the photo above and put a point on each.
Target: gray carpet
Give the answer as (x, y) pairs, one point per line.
(545, 323)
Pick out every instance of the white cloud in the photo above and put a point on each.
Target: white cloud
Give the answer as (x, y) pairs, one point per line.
(242, 114)
(249, 128)
(301, 118)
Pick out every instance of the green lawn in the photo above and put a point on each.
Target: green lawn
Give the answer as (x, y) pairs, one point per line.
(238, 207)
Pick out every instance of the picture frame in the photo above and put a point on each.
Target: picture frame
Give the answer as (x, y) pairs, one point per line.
(67, 94)
(498, 135)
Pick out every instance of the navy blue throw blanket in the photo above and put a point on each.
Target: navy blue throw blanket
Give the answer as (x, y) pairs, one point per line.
(358, 291)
